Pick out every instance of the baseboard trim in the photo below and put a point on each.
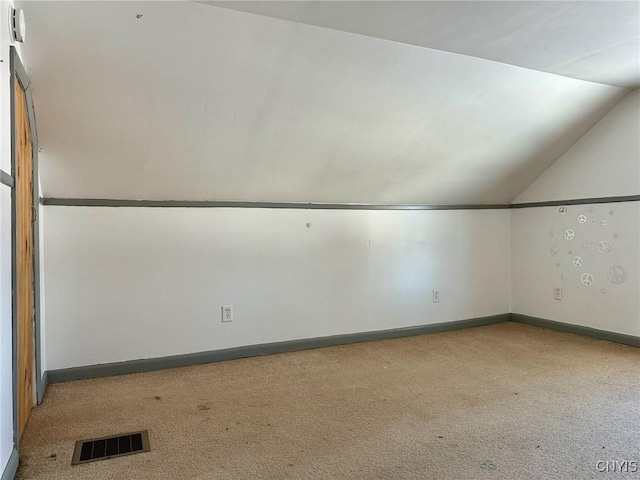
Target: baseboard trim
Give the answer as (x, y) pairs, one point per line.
(6, 179)
(12, 466)
(42, 386)
(577, 329)
(150, 364)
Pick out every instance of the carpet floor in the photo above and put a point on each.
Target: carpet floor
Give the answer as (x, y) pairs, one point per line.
(506, 401)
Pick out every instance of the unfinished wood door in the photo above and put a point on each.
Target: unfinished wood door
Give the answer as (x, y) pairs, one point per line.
(25, 218)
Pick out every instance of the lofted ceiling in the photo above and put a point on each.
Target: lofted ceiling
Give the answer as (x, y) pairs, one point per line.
(187, 101)
(598, 41)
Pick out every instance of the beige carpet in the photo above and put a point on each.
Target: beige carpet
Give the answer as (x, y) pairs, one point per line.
(507, 401)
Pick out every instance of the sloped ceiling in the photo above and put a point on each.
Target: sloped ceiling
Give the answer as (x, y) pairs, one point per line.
(197, 102)
(598, 41)
(603, 163)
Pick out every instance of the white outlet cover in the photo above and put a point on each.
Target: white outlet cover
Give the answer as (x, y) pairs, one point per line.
(557, 293)
(227, 313)
(436, 296)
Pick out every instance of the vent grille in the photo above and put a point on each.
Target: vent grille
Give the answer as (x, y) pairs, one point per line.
(110, 447)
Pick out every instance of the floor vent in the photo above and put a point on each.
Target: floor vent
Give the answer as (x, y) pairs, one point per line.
(110, 447)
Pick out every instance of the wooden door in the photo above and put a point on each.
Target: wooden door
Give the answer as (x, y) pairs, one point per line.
(25, 218)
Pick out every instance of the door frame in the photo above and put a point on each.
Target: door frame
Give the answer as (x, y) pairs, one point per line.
(19, 74)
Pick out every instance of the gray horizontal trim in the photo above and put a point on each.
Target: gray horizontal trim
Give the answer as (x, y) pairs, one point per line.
(577, 329)
(103, 202)
(146, 365)
(12, 466)
(97, 202)
(6, 179)
(578, 201)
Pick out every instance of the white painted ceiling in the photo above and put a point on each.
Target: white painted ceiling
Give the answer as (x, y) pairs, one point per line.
(198, 102)
(597, 41)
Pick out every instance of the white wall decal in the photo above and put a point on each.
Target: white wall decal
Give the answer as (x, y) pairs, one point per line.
(586, 279)
(616, 274)
(604, 247)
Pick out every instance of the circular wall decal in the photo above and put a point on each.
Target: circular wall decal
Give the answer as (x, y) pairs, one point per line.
(585, 246)
(603, 291)
(603, 247)
(592, 209)
(603, 223)
(554, 250)
(615, 235)
(577, 262)
(611, 212)
(582, 219)
(586, 279)
(569, 234)
(563, 210)
(616, 274)
(563, 277)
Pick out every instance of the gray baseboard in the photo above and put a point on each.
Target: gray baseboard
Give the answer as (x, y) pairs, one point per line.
(12, 466)
(149, 364)
(577, 329)
(41, 387)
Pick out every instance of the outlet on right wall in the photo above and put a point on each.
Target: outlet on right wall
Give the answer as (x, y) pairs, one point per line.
(591, 251)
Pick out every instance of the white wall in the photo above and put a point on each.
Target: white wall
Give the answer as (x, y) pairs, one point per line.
(6, 381)
(605, 162)
(129, 283)
(536, 270)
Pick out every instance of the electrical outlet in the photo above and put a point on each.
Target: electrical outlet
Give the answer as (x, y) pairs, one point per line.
(436, 296)
(557, 293)
(227, 313)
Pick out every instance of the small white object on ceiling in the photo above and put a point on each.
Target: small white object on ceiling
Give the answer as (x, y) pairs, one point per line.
(17, 25)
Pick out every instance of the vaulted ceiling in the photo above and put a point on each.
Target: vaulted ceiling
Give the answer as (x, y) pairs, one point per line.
(598, 41)
(346, 103)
